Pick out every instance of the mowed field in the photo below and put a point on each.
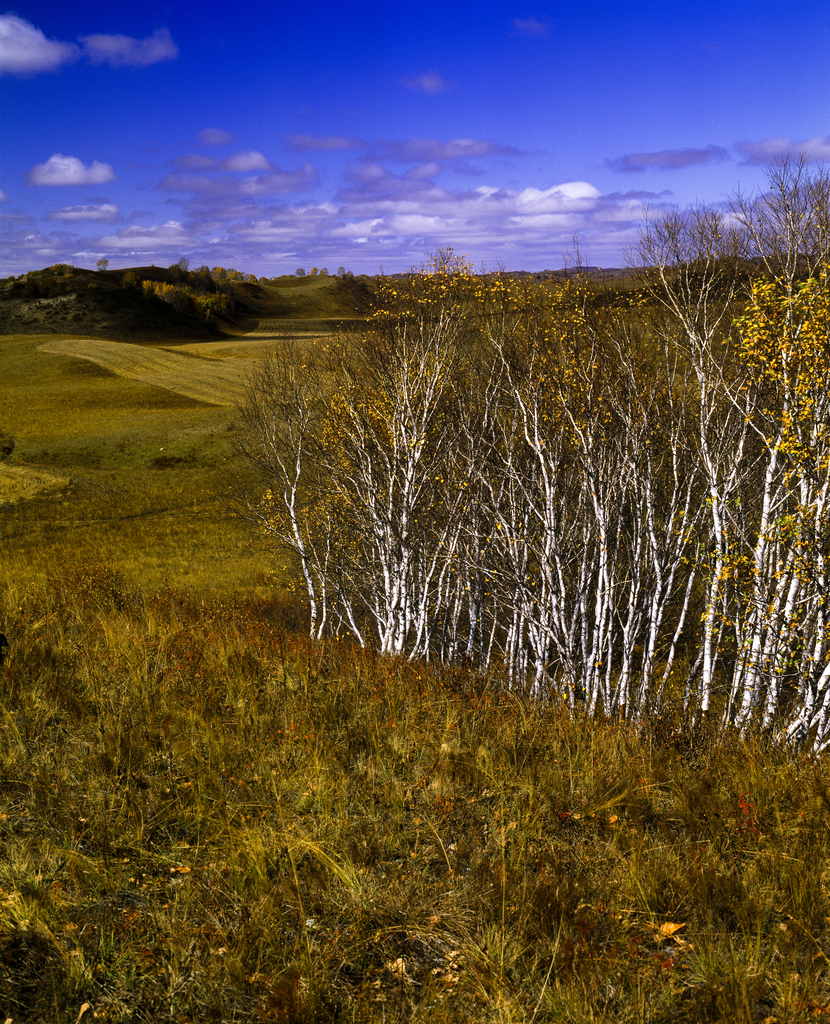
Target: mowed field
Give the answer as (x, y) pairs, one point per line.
(218, 380)
(124, 455)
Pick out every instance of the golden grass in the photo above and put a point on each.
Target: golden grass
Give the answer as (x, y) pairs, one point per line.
(219, 381)
(142, 472)
(206, 817)
(20, 483)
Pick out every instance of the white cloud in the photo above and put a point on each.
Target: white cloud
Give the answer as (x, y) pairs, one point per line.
(170, 235)
(432, 149)
(766, 150)
(240, 162)
(107, 213)
(68, 170)
(529, 27)
(305, 143)
(122, 51)
(394, 209)
(3, 196)
(251, 161)
(194, 162)
(570, 196)
(25, 50)
(398, 221)
(667, 159)
(276, 182)
(430, 82)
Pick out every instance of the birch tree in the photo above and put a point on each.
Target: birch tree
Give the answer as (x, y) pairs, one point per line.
(389, 452)
(692, 274)
(283, 417)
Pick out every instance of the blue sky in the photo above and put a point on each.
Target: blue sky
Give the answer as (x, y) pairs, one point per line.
(268, 136)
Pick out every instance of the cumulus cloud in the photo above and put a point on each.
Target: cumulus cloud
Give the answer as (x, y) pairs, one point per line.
(382, 210)
(529, 27)
(215, 137)
(122, 51)
(309, 143)
(24, 247)
(404, 151)
(68, 170)
(25, 50)
(429, 82)
(239, 162)
(667, 159)
(368, 178)
(767, 150)
(250, 161)
(397, 219)
(104, 212)
(194, 162)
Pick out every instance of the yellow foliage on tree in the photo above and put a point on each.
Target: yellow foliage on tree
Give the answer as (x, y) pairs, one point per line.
(785, 341)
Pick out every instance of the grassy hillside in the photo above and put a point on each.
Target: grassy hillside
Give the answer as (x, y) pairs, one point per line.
(138, 474)
(204, 818)
(124, 427)
(113, 304)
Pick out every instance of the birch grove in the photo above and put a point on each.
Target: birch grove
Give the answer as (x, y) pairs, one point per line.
(617, 496)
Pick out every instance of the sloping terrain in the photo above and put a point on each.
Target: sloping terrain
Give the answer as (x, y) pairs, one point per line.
(120, 312)
(218, 381)
(124, 305)
(19, 483)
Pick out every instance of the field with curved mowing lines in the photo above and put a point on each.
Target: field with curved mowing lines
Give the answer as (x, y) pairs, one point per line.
(219, 380)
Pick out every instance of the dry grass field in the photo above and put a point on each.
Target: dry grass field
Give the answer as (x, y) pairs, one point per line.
(124, 450)
(19, 483)
(205, 816)
(218, 380)
(123, 453)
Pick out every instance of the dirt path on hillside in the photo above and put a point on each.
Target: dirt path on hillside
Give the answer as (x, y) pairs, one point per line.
(207, 378)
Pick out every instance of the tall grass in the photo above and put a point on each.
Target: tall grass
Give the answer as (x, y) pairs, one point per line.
(205, 816)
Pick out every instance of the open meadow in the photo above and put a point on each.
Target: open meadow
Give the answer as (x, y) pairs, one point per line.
(124, 445)
(207, 816)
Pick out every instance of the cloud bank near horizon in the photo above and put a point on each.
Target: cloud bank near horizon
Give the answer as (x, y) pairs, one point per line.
(393, 204)
(376, 218)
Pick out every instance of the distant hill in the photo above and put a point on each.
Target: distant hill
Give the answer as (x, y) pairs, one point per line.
(64, 300)
(175, 303)
(148, 303)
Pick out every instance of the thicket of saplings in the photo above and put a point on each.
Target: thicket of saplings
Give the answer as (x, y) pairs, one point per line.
(417, 810)
(620, 498)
